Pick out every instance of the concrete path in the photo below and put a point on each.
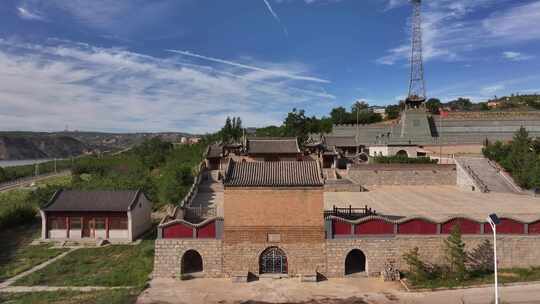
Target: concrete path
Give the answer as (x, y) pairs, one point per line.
(489, 175)
(333, 291)
(12, 280)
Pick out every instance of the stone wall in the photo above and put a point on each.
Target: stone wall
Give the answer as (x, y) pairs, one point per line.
(404, 174)
(302, 258)
(513, 251)
(169, 252)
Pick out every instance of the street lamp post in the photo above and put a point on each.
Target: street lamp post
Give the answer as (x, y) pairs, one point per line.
(493, 221)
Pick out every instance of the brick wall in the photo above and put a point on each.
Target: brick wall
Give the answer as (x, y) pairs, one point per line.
(396, 175)
(169, 252)
(513, 251)
(273, 208)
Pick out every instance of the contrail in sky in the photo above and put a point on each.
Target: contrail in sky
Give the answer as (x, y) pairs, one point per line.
(275, 16)
(277, 73)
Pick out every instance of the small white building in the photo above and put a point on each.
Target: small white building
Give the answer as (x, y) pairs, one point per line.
(110, 215)
(393, 150)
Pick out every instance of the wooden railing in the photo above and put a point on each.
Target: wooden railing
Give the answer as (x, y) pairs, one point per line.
(350, 212)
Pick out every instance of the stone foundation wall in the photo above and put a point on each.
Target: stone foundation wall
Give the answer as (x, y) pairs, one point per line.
(513, 251)
(169, 252)
(328, 258)
(371, 175)
(302, 258)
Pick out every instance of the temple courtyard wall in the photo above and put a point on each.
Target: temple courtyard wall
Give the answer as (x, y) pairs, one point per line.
(396, 174)
(328, 258)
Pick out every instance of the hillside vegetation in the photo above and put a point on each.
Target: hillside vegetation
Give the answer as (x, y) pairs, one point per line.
(520, 157)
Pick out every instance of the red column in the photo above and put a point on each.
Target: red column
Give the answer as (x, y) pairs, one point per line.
(107, 227)
(67, 227)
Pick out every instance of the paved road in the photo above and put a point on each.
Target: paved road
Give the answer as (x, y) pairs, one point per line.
(333, 291)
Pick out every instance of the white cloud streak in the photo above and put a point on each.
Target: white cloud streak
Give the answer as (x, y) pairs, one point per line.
(46, 86)
(275, 16)
(276, 73)
(516, 56)
(26, 14)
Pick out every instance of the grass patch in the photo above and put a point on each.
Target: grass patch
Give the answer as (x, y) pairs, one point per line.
(511, 275)
(64, 181)
(16, 253)
(115, 265)
(119, 296)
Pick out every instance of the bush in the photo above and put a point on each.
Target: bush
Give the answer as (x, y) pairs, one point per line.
(418, 270)
(17, 214)
(480, 260)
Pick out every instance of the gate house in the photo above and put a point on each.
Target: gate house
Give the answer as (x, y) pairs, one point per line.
(273, 218)
(112, 215)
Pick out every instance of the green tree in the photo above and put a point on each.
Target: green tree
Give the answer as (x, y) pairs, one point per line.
(174, 183)
(433, 105)
(418, 270)
(456, 255)
(392, 111)
(3, 175)
(522, 157)
(153, 152)
(296, 125)
(339, 115)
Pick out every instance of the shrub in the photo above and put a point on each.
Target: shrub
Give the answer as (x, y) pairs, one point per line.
(418, 270)
(17, 214)
(480, 260)
(456, 255)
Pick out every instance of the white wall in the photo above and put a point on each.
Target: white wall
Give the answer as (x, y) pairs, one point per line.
(57, 234)
(140, 217)
(119, 234)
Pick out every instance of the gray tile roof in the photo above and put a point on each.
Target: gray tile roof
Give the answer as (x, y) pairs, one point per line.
(341, 141)
(100, 200)
(273, 146)
(214, 151)
(273, 174)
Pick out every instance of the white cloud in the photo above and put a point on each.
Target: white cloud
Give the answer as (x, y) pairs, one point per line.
(277, 73)
(45, 87)
(516, 56)
(450, 31)
(27, 14)
(490, 90)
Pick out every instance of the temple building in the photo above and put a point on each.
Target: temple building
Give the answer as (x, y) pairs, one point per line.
(117, 216)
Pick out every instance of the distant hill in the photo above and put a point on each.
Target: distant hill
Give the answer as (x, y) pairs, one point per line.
(34, 145)
(15, 147)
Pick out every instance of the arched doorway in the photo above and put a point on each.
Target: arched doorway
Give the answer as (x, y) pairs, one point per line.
(191, 262)
(355, 262)
(402, 153)
(273, 260)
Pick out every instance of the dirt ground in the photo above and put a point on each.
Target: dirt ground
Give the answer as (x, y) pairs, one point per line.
(333, 291)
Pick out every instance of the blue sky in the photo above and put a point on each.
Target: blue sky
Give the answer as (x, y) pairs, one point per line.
(184, 65)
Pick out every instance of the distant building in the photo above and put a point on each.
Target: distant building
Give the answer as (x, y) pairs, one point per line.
(493, 104)
(378, 110)
(110, 215)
